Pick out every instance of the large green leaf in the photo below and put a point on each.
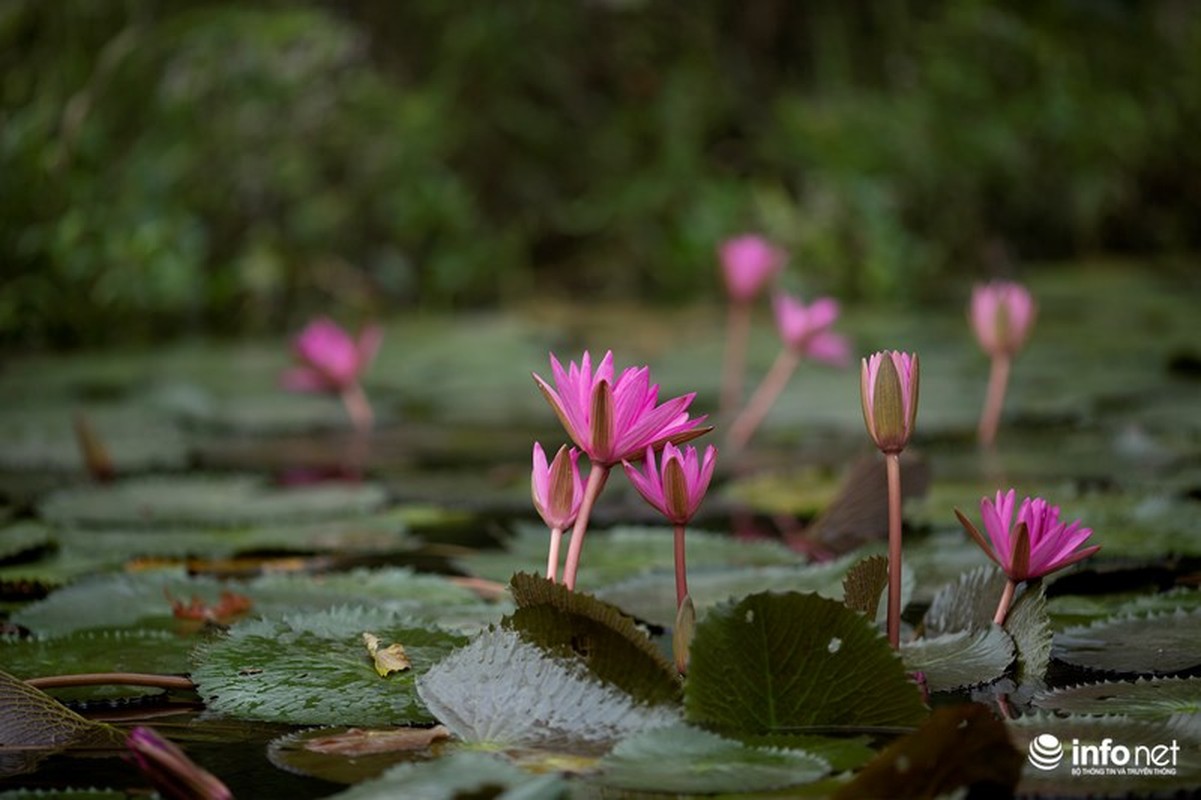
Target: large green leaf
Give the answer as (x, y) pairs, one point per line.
(458, 777)
(21, 541)
(1030, 627)
(1154, 698)
(961, 659)
(787, 662)
(313, 669)
(504, 691)
(686, 760)
(1149, 644)
(966, 604)
(567, 623)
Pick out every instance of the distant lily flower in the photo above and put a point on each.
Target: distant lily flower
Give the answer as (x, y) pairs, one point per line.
(1002, 314)
(805, 333)
(1037, 545)
(173, 774)
(557, 492)
(749, 264)
(888, 390)
(676, 490)
(331, 361)
(612, 421)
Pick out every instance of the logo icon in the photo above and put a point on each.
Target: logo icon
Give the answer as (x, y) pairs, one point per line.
(1045, 752)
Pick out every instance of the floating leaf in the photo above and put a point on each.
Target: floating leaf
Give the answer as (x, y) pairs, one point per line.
(962, 659)
(958, 746)
(311, 669)
(22, 540)
(387, 659)
(842, 753)
(703, 763)
(967, 604)
(1030, 627)
(42, 437)
(457, 777)
(1153, 698)
(1151, 644)
(225, 501)
(574, 624)
(785, 662)
(350, 755)
(864, 584)
(504, 691)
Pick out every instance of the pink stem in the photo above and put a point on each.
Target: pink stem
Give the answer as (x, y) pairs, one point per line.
(763, 399)
(990, 418)
(738, 328)
(1006, 602)
(596, 481)
(357, 406)
(681, 569)
(552, 558)
(893, 462)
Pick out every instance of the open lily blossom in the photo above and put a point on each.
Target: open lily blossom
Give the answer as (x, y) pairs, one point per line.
(678, 486)
(749, 263)
(1036, 545)
(330, 359)
(558, 494)
(1002, 315)
(173, 774)
(889, 392)
(616, 420)
(805, 330)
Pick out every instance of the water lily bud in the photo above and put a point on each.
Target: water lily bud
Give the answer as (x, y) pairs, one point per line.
(889, 391)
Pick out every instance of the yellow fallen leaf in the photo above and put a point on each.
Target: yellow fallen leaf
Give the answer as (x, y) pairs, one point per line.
(387, 659)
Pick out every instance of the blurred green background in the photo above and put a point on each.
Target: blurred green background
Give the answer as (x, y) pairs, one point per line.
(174, 168)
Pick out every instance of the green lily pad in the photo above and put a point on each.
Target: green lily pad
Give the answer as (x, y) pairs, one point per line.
(506, 692)
(1155, 698)
(786, 662)
(843, 753)
(459, 776)
(703, 763)
(41, 437)
(1148, 644)
(352, 755)
(226, 501)
(20, 541)
(961, 659)
(313, 669)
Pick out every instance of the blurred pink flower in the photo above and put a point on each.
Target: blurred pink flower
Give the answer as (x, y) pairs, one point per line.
(1037, 545)
(749, 263)
(616, 421)
(331, 361)
(806, 329)
(170, 770)
(556, 488)
(1002, 314)
(889, 392)
(676, 487)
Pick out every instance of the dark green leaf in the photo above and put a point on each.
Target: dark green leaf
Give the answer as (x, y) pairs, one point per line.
(1154, 698)
(962, 659)
(1151, 644)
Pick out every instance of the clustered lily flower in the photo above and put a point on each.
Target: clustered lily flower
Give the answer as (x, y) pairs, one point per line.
(749, 263)
(332, 361)
(805, 333)
(173, 774)
(557, 493)
(1037, 545)
(1002, 314)
(612, 421)
(889, 393)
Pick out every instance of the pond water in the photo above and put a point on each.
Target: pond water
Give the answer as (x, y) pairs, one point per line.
(225, 482)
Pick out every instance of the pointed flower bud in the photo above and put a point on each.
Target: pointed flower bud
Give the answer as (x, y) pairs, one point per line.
(556, 488)
(677, 488)
(170, 770)
(805, 330)
(1037, 545)
(330, 360)
(749, 263)
(889, 390)
(1002, 315)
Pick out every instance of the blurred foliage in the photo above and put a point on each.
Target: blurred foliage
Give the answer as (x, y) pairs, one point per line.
(169, 165)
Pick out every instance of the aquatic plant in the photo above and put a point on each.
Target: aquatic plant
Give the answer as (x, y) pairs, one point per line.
(332, 361)
(889, 392)
(557, 493)
(748, 264)
(1002, 314)
(170, 770)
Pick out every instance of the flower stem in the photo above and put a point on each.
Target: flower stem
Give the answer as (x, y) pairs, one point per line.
(738, 328)
(681, 569)
(763, 399)
(893, 462)
(112, 678)
(357, 406)
(596, 481)
(1006, 602)
(990, 417)
(552, 558)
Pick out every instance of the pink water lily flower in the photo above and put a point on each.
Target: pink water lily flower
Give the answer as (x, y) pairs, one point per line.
(805, 330)
(331, 361)
(614, 421)
(678, 486)
(1002, 315)
(749, 263)
(170, 770)
(1037, 545)
(889, 393)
